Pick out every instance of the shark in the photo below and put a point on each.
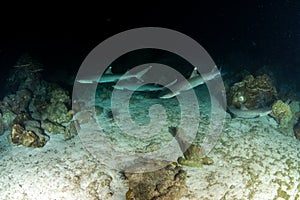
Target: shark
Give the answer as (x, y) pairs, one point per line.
(245, 113)
(194, 80)
(109, 77)
(132, 86)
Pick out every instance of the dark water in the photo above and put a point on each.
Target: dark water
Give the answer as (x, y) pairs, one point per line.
(238, 36)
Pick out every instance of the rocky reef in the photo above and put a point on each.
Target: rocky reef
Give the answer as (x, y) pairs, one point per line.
(36, 107)
(252, 92)
(163, 184)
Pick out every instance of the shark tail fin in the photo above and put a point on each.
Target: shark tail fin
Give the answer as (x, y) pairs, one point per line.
(215, 71)
(222, 72)
(140, 74)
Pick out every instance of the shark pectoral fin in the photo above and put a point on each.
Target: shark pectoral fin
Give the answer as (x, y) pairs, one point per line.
(215, 72)
(243, 107)
(141, 73)
(85, 81)
(232, 115)
(117, 88)
(215, 69)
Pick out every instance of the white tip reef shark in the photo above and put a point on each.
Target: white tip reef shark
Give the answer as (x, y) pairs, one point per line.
(194, 81)
(109, 77)
(245, 113)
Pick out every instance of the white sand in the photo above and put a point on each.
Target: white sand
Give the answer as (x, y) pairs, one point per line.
(252, 160)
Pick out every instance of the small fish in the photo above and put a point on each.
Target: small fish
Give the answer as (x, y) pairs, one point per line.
(21, 66)
(36, 70)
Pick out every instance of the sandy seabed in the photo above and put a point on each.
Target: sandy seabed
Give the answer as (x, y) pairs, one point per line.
(252, 160)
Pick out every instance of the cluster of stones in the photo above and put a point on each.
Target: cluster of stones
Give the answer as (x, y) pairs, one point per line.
(36, 109)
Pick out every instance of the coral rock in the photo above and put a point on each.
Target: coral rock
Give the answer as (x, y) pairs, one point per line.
(16, 134)
(166, 183)
(282, 113)
(52, 127)
(252, 92)
(21, 117)
(7, 119)
(18, 102)
(27, 138)
(70, 131)
(56, 113)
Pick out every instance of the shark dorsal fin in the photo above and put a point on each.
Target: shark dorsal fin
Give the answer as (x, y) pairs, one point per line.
(140, 74)
(108, 71)
(194, 73)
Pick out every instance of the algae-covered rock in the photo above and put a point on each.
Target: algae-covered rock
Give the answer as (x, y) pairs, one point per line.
(57, 113)
(52, 127)
(58, 95)
(28, 138)
(19, 135)
(70, 131)
(21, 117)
(7, 119)
(52, 103)
(17, 103)
(35, 127)
(194, 157)
(163, 184)
(282, 113)
(252, 92)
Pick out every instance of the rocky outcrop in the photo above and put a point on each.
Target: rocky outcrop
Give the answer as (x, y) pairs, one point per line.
(35, 107)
